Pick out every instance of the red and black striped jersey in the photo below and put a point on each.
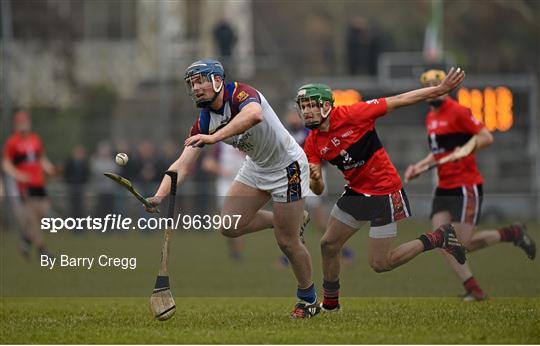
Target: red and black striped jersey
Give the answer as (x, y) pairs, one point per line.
(452, 126)
(25, 153)
(352, 145)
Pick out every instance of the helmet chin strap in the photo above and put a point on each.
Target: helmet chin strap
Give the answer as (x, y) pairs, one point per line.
(218, 89)
(325, 115)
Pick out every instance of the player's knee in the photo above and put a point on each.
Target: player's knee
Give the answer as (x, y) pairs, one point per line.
(286, 244)
(230, 232)
(379, 266)
(329, 248)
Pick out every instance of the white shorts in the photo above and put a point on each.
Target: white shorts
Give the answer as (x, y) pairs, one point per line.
(222, 187)
(286, 185)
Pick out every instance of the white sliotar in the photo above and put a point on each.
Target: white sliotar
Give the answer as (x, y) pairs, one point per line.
(121, 159)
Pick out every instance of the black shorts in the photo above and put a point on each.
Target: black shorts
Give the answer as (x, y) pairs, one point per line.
(463, 203)
(38, 192)
(380, 210)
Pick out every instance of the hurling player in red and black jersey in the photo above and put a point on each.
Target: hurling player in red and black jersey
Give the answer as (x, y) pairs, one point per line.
(458, 197)
(24, 159)
(345, 136)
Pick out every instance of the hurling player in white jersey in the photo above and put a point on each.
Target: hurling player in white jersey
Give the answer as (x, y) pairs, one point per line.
(275, 167)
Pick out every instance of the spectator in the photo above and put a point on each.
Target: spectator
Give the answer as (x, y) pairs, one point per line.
(225, 39)
(76, 176)
(363, 47)
(103, 161)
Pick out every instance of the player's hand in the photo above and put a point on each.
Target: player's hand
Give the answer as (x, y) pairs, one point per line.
(22, 177)
(410, 173)
(154, 201)
(413, 171)
(314, 172)
(200, 139)
(454, 78)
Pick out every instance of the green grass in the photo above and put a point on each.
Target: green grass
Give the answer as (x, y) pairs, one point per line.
(200, 267)
(415, 303)
(265, 320)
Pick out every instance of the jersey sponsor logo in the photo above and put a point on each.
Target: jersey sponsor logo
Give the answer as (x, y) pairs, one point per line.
(357, 154)
(242, 143)
(440, 143)
(346, 157)
(434, 124)
(348, 162)
(374, 101)
(347, 134)
(434, 146)
(242, 96)
(324, 150)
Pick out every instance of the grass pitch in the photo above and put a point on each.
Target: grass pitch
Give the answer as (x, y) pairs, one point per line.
(416, 303)
(265, 320)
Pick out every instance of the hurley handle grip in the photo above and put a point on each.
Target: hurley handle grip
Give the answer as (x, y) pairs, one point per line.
(174, 179)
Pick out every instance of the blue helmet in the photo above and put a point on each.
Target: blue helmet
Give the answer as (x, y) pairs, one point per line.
(206, 67)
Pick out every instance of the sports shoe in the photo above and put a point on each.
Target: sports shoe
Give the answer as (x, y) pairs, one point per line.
(524, 241)
(473, 296)
(452, 245)
(336, 309)
(303, 309)
(304, 224)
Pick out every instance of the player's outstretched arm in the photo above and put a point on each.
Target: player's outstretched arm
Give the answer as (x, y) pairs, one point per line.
(182, 166)
(316, 182)
(452, 80)
(248, 117)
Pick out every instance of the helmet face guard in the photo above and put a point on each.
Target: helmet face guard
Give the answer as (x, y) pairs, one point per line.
(310, 101)
(201, 72)
(433, 78)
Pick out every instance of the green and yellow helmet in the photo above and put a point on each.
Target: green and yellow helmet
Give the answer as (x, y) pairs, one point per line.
(432, 77)
(316, 94)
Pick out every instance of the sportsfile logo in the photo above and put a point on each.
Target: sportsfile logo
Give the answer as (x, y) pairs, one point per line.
(112, 222)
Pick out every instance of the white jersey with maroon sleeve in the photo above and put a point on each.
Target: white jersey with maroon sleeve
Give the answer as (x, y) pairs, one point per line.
(268, 145)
